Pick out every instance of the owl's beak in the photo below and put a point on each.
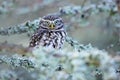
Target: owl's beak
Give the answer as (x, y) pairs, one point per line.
(52, 26)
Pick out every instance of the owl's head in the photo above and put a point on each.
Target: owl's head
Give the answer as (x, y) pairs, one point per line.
(51, 22)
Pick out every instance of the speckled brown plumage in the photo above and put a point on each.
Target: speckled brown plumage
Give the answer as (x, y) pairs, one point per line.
(49, 37)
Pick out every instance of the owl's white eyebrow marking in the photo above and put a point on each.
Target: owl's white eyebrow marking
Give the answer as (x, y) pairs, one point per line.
(58, 19)
(45, 20)
(51, 21)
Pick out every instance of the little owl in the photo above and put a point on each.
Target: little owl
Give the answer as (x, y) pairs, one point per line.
(50, 33)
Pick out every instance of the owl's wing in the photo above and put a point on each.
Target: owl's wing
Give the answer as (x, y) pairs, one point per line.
(36, 37)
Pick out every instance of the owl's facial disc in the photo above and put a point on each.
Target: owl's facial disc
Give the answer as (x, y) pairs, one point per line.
(48, 24)
(51, 24)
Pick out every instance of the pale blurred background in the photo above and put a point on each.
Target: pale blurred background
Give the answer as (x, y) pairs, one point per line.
(98, 32)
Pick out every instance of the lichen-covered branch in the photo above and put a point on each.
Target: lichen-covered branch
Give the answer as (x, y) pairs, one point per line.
(22, 28)
(84, 12)
(98, 75)
(104, 6)
(27, 63)
(5, 6)
(8, 6)
(76, 45)
(17, 61)
(68, 66)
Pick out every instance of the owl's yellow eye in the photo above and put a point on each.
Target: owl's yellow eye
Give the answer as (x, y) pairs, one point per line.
(46, 23)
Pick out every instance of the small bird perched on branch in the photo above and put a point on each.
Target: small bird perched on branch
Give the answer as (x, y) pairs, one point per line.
(50, 33)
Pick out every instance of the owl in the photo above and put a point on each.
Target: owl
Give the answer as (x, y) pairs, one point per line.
(51, 32)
